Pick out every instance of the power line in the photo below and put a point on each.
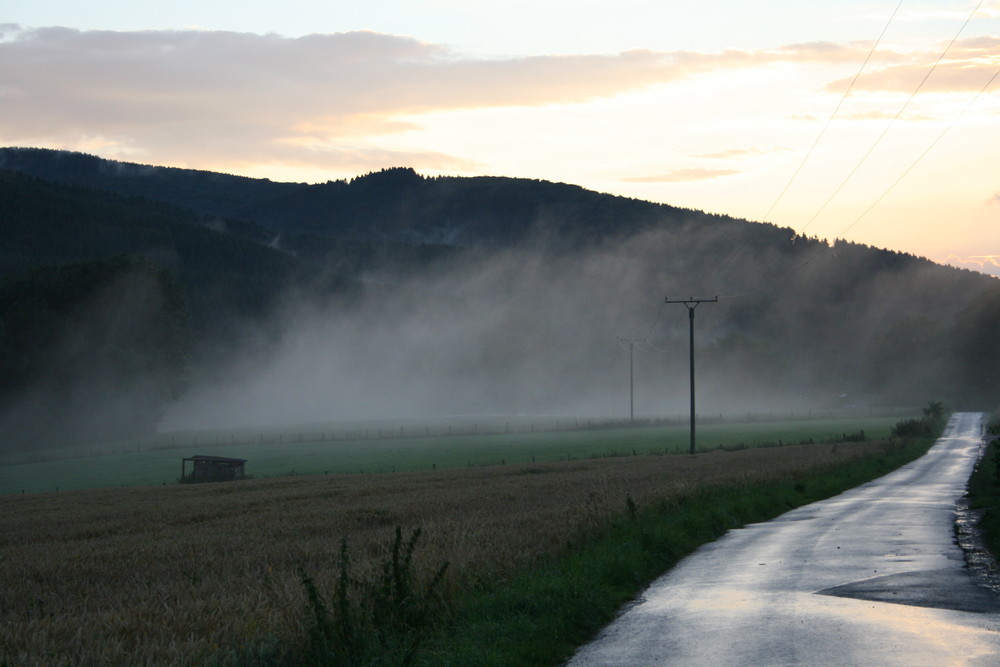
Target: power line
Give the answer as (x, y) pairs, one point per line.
(864, 158)
(762, 284)
(924, 154)
(874, 146)
(656, 348)
(878, 141)
(657, 320)
(835, 111)
(822, 132)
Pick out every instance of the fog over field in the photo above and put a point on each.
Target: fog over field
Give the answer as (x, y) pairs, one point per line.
(518, 331)
(531, 330)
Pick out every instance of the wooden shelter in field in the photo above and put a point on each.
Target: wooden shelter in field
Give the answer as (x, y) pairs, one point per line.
(212, 469)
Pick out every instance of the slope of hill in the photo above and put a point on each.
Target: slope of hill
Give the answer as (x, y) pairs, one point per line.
(391, 205)
(45, 223)
(396, 295)
(230, 268)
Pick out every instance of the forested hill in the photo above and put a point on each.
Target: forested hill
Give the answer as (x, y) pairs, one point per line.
(394, 204)
(93, 282)
(205, 297)
(228, 268)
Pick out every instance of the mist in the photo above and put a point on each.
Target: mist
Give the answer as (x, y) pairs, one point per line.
(526, 330)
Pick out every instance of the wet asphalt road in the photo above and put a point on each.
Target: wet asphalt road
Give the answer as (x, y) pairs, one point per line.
(871, 577)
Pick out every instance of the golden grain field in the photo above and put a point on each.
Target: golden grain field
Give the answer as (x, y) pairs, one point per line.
(188, 573)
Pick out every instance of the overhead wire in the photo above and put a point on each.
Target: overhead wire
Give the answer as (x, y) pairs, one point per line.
(924, 154)
(863, 159)
(877, 142)
(649, 333)
(656, 348)
(659, 314)
(739, 249)
(836, 110)
(895, 118)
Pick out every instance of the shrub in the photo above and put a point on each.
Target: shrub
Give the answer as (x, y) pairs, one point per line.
(929, 424)
(911, 428)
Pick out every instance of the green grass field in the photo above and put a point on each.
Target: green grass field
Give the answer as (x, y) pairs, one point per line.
(403, 446)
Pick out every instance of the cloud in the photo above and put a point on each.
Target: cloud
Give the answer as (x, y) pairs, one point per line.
(195, 96)
(740, 153)
(826, 52)
(682, 176)
(874, 114)
(731, 153)
(989, 264)
(968, 65)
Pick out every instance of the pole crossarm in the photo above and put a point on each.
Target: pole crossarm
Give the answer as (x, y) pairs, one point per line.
(691, 304)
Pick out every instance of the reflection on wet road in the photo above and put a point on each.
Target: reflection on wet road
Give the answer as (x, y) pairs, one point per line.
(871, 577)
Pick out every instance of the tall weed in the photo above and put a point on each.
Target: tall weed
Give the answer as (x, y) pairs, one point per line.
(378, 621)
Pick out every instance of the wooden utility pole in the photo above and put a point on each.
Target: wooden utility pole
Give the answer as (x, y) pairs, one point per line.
(691, 304)
(631, 385)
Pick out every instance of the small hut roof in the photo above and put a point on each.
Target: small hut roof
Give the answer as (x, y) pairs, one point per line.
(214, 459)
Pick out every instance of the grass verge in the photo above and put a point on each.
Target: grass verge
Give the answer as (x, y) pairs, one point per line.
(541, 616)
(984, 489)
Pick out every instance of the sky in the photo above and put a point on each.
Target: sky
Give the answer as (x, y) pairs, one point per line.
(876, 121)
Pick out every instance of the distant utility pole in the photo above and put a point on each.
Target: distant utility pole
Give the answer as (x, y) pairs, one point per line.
(631, 385)
(691, 304)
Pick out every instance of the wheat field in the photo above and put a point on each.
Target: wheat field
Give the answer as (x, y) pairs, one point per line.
(194, 574)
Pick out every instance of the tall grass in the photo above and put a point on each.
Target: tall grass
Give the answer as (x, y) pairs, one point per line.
(984, 488)
(210, 574)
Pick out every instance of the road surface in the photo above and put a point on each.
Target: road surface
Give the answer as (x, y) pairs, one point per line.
(871, 577)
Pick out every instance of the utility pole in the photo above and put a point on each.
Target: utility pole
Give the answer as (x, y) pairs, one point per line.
(691, 304)
(631, 385)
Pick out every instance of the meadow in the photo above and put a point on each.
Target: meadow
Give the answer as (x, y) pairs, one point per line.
(212, 573)
(400, 446)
